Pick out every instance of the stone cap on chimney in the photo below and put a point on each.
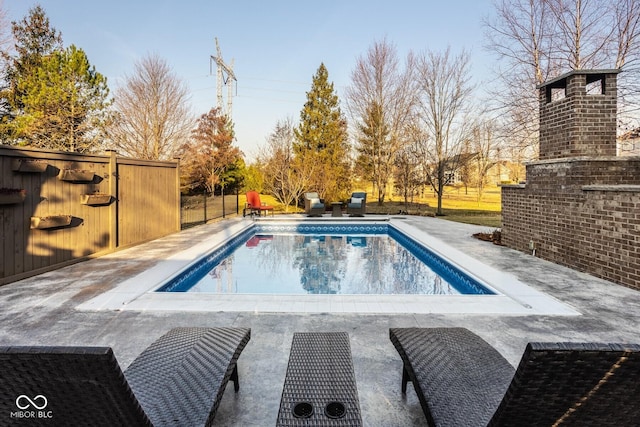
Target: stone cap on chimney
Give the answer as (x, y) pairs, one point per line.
(560, 81)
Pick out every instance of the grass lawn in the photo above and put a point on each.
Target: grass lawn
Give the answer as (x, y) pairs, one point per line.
(457, 205)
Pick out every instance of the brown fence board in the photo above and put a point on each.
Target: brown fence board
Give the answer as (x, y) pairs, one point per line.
(145, 205)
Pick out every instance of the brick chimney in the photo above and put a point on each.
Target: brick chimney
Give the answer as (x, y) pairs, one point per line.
(578, 115)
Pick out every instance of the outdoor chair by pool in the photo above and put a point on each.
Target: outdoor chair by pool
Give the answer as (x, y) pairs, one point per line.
(177, 380)
(255, 206)
(460, 380)
(357, 204)
(313, 204)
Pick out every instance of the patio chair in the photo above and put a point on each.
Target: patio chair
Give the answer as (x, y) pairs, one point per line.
(178, 380)
(313, 204)
(254, 206)
(357, 204)
(461, 380)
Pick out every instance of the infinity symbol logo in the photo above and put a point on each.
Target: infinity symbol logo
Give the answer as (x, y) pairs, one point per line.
(20, 402)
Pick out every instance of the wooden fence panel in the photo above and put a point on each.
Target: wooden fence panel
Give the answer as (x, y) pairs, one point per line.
(147, 197)
(148, 207)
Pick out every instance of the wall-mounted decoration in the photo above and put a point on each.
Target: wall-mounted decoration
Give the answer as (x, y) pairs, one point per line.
(12, 196)
(95, 199)
(76, 175)
(29, 165)
(53, 221)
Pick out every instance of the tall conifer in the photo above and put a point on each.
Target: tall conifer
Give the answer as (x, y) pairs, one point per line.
(321, 139)
(52, 97)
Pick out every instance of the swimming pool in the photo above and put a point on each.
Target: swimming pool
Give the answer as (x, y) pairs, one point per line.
(138, 292)
(324, 259)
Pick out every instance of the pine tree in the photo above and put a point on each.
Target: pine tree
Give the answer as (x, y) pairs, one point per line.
(53, 97)
(63, 101)
(321, 139)
(35, 38)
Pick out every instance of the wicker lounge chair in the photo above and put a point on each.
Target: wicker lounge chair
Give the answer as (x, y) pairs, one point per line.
(461, 380)
(255, 206)
(357, 204)
(313, 204)
(178, 380)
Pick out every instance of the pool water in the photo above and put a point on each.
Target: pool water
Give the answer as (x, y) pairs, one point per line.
(325, 263)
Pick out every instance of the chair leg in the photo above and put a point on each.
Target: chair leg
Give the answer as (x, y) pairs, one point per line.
(234, 378)
(405, 379)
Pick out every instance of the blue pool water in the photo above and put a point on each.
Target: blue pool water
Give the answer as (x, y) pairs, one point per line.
(324, 259)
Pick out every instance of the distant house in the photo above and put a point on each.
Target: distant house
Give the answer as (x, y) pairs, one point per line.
(629, 143)
(506, 172)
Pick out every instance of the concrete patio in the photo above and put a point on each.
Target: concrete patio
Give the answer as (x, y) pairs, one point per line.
(42, 310)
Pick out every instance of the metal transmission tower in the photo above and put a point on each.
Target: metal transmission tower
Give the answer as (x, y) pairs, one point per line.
(225, 76)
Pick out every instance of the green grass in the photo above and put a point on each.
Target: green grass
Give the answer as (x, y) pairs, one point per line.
(458, 205)
(485, 218)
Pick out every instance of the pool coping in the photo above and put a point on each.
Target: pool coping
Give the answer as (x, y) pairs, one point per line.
(513, 296)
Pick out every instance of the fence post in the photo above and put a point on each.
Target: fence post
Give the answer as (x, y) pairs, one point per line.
(179, 193)
(204, 194)
(113, 207)
(224, 211)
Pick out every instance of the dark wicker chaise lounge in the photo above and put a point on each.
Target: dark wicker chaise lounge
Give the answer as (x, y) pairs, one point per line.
(178, 380)
(461, 380)
(320, 386)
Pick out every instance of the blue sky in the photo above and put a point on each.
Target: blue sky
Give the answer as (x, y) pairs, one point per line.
(277, 46)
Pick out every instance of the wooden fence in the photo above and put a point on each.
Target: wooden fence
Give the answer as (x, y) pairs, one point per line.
(57, 208)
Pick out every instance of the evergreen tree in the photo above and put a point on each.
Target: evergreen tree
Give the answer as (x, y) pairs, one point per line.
(53, 97)
(321, 139)
(65, 101)
(34, 38)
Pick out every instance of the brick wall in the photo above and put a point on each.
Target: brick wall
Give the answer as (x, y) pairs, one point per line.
(582, 213)
(580, 206)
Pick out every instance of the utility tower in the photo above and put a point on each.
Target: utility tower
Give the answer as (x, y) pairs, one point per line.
(225, 76)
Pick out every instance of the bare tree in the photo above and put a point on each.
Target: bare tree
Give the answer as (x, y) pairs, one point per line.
(627, 47)
(441, 126)
(152, 113)
(285, 177)
(521, 34)
(380, 102)
(406, 174)
(485, 146)
(5, 29)
(537, 40)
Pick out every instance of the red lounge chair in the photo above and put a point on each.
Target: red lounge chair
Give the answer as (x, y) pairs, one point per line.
(255, 241)
(255, 206)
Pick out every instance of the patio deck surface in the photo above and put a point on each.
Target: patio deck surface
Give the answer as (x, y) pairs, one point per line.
(42, 310)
